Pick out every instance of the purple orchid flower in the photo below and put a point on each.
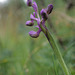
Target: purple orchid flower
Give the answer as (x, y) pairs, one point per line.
(35, 7)
(44, 14)
(49, 8)
(29, 2)
(29, 23)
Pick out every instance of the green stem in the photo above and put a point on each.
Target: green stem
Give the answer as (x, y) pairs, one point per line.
(55, 48)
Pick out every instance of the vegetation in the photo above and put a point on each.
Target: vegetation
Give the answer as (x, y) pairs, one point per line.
(22, 55)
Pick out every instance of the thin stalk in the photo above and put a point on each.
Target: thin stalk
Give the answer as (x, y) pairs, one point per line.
(55, 48)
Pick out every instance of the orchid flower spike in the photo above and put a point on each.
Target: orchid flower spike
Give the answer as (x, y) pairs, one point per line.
(41, 27)
(44, 14)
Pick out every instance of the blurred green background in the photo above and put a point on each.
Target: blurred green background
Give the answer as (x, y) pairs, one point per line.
(22, 55)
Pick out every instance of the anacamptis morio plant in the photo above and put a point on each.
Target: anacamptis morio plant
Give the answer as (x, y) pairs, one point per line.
(42, 28)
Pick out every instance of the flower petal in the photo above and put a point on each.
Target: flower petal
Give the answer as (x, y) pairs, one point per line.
(34, 14)
(33, 18)
(37, 26)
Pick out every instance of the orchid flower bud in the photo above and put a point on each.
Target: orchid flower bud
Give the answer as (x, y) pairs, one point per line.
(44, 14)
(29, 23)
(33, 34)
(35, 7)
(49, 8)
(29, 2)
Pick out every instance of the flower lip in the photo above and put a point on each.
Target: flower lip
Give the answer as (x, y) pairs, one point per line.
(29, 2)
(29, 23)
